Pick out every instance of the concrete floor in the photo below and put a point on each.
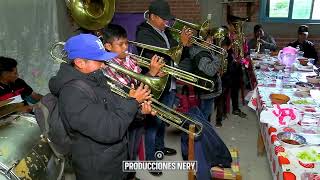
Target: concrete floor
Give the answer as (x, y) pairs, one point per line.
(236, 132)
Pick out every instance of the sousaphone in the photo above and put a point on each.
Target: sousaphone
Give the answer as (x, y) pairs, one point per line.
(91, 14)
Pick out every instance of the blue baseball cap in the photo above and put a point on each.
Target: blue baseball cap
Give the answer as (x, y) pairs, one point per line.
(87, 46)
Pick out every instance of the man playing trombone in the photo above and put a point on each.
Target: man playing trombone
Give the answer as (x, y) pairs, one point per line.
(97, 125)
(116, 41)
(154, 32)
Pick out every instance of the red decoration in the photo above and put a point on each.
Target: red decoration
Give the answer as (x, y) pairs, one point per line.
(288, 129)
(282, 160)
(306, 165)
(289, 176)
(271, 130)
(278, 149)
(273, 138)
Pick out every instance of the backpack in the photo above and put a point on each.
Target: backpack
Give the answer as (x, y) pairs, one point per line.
(51, 125)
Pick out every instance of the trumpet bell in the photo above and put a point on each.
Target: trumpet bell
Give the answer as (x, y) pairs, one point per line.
(92, 15)
(156, 84)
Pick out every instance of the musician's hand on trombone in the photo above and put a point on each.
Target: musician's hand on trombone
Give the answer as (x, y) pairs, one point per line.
(185, 36)
(155, 65)
(147, 109)
(141, 94)
(161, 74)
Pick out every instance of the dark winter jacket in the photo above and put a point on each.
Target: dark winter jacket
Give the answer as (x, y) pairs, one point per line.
(308, 48)
(206, 65)
(146, 34)
(97, 127)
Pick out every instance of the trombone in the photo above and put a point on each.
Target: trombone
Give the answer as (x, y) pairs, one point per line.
(174, 52)
(156, 84)
(203, 28)
(202, 43)
(166, 114)
(179, 74)
(175, 118)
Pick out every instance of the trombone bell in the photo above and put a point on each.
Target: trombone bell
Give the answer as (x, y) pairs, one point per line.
(174, 53)
(166, 114)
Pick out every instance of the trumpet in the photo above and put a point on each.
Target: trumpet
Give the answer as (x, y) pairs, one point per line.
(179, 74)
(174, 53)
(156, 84)
(175, 118)
(166, 114)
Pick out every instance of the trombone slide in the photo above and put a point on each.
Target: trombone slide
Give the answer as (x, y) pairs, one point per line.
(179, 74)
(164, 113)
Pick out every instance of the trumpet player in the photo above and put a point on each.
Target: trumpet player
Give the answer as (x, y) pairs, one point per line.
(154, 32)
(97, 126)
(206, 64)
(262, 40)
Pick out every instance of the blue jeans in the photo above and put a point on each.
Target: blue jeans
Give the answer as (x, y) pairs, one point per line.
(155, 129)
(206, 106)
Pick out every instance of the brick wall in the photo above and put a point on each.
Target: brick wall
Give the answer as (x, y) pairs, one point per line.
(188, 10)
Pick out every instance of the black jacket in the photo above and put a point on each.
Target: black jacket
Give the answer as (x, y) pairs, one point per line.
(308, 48)
(147, 35)
(231, 78)
(206, 65)
(98, 129)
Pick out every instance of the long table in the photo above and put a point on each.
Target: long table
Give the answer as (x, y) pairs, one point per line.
(283, 164)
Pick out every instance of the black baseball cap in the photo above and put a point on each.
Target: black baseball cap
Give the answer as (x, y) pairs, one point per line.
(303, 29)
(161, 8)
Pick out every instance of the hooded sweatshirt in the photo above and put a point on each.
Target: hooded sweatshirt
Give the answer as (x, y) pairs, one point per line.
(98, 127)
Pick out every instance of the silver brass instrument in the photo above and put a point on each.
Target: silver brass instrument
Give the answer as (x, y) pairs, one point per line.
(91, 14)
(23, 154)
(174, 52)
(179, 74)
(166, 114)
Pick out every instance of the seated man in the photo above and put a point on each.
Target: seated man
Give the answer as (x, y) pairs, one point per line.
(267, 42)
(11, 85)
(305, 45)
